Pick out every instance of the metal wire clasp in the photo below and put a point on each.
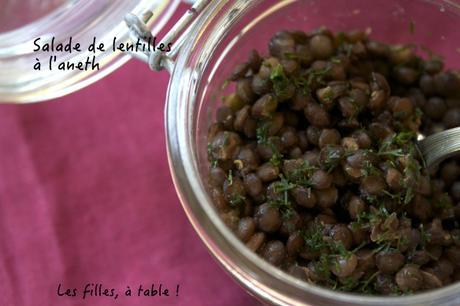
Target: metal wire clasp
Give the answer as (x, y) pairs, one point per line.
(157, 59)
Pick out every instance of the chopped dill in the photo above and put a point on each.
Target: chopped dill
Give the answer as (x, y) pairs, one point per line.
(280, 82)
(277, 157)
(211, 158)
(301, 175)
(333, 158)
(262, 135)
(317, 76)
(369, 169)
(262, 138)
(230, 177)
(282, 187)
(237, 200)
(314, 237)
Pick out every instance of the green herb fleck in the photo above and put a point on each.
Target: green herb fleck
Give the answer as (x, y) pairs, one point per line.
(262, 135)
(369, 169)
(211, 158)
(403, 241)
(373, 216)
(262, 138)
(301, 175)
(276, 158)
(333, 158)
(365, 284)
(337, 248)
(326, 95)
(391, 153)
(347, 284)
(317, 76)
(314, 237)
(237, 200)
(322, 267)
(412, 173)
(280, 82)
(418, 113)
(225, 85)
(404, 138)
(302, 85)
(400, 140)
(424, 235)
(336, 60)
(409, 195)
(282, 187)
(230, 177)
(371, 198)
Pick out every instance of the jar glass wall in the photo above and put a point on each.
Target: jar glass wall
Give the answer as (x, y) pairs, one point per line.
(222, 37)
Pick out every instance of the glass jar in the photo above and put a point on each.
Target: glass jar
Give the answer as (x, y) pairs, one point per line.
(220, 38)
(221, 35)
(24, 21)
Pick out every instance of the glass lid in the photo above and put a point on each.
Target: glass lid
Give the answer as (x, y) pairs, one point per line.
(49, 48)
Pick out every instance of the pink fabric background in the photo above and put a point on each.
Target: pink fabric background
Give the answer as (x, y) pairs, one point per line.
(86, 197)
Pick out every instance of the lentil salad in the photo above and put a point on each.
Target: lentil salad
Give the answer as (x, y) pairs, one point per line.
(314, 167)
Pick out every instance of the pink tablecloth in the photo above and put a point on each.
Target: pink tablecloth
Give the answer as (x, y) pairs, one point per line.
(86, 197)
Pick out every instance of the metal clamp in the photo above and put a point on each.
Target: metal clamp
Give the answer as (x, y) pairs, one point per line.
(157, 59)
